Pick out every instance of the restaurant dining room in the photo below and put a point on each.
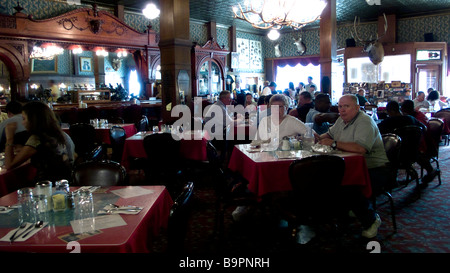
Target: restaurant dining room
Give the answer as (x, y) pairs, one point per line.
(225, 135)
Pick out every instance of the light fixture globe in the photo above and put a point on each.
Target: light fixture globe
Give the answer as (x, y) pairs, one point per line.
(273, 34)
(151, 11)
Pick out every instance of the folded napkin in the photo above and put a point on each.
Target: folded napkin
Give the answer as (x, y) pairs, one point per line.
(19, 236)
(109, 209)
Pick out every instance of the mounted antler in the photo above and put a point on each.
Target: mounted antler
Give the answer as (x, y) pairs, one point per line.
(372, 47)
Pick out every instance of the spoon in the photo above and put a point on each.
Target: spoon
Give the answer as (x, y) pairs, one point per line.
(22, 226)
(38, 224)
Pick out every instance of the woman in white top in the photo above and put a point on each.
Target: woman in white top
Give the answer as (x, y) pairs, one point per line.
(281, 125)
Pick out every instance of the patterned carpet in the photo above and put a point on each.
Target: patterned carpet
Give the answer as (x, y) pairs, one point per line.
(423, 222)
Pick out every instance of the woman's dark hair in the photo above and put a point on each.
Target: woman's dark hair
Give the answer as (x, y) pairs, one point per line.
(291, 86)
(42, 122)
(434, 95)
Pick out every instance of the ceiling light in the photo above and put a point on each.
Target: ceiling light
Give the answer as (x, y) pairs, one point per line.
(265, 14)
(151, 11)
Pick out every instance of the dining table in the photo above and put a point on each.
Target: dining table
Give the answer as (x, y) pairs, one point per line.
(118, 233)
(102, 131)
(268, 171)
(192, 146)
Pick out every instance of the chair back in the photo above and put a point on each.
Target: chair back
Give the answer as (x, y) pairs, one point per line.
(117, 136)
(84, 137)
(163, 159)
(392, 143)
(433, 135)
(179, 218)
(411, 136)
(445, 116)
(96, 154)
(316, 183)
(143, 124)
(99, 173)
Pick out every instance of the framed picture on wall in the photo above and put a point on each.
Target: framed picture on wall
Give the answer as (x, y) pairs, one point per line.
(44, 66)
(85, 64)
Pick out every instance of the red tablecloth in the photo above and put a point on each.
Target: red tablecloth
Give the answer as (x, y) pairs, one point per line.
(266, 173)
(190, 149)
(134, 237)
(16, 178)
(102, 132)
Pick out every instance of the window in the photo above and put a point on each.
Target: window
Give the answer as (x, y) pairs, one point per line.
(297, 74)
(393, 68)
(135, 86)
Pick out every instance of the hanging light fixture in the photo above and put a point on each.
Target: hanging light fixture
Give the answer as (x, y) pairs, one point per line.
(266, 14)
(151, 11)
(273, 34)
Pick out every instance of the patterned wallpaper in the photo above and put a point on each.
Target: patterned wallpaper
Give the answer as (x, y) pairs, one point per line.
(408, 30)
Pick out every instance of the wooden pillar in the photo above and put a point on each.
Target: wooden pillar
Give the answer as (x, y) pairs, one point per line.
(212, 30)
(328, 45)
(119, 12)
(175, 47)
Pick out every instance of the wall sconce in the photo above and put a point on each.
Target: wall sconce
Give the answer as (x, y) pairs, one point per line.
(101, 52)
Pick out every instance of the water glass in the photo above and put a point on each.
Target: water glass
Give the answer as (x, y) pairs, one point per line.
(45, 188)
(163, 128)
(155, 129)
(27, 205)
(42, 208)
(84, 211)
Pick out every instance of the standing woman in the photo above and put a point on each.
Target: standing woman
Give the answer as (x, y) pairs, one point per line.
(50, 149)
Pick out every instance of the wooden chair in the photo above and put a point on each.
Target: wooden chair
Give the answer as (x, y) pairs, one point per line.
(99, 173)
(85, 139)
(117, 136)
(444, 114)
(315, 197)
(411, 136)
(179, 219)
(164, 164)
(227, 194)
(392, 144)
(433, 137)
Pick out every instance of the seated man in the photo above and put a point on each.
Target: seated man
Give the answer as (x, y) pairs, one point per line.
(305, 103)
(320, 116)
(396, 120)
(408, 109)
(356, 132)
(420, 101)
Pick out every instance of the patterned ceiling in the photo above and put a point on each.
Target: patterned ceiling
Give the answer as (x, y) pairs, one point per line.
(221, 12)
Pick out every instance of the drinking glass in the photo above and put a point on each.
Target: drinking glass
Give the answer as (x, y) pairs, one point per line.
(45, 188)
(155, 129)
(42, 208)
(27, 205)
(84, 211)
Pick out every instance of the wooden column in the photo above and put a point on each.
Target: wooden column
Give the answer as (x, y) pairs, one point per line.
(175, 47)
(328, 45)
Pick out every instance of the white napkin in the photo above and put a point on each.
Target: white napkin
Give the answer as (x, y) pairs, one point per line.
(19, 235)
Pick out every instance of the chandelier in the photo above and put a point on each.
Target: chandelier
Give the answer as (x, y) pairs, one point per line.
(46, 53)
(265, 14)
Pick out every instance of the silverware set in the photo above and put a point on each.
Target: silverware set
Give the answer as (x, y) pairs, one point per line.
(24, 230)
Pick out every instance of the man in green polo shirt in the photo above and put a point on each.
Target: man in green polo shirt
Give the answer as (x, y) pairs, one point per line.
(356, 132)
